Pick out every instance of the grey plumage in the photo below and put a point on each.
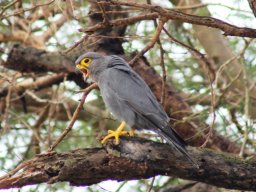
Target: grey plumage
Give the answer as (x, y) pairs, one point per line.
(130, 99)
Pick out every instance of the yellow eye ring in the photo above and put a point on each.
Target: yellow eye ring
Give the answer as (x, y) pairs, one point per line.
(86, 62)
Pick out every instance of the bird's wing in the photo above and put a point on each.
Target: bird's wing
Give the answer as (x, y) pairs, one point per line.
(130, 88)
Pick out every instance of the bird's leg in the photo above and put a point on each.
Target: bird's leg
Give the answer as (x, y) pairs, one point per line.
(116, 134)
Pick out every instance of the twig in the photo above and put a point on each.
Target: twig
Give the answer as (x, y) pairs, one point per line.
(26, 124)
(227, 28)
(198, 55)
(51, 122)
(67, 108)
(40, 100)
(235, 121)
(162, 101)
(222, 67)
(84, 38)
(115, 12)
(29, 9)
(247, 113)
(152, 42)
(151, 184)
(18, 168)
(53, 28)
(74, 117)
(201, 5)
(7, 6)
(163, 94)
(6, 110)
(246, 102)
(211, 75)
(229, 85)
(182, 187)
(213, 100)
(118, 22)
(104, 15)
(36, 129)
(70, 2)
(38, 84)
(213, 105)
(245, 140)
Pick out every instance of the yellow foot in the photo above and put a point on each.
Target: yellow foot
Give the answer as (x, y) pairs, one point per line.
(117, 133)
(131, 133)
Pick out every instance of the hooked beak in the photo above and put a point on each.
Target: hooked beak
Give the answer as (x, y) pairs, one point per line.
(83, 70)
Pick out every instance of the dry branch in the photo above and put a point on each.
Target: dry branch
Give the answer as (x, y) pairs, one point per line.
(36, 60)
(18, 12)
(74, 117)
(23, 37)
(123, 21)
(228, 29)
(152, 42)
(38, 84)
(91, 111)
(133, 158)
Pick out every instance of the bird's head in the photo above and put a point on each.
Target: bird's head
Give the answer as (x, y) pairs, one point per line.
(86, 62)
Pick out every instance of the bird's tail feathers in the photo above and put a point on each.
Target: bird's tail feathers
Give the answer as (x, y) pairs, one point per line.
(175, 140)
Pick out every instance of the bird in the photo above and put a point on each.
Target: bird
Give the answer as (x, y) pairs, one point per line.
(128, 98)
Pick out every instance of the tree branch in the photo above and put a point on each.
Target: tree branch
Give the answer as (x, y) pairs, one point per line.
(118, 22)
(91, 111)
(74, 117)
(227, 28)
(36, 60)
(38, 84)
(138, 159)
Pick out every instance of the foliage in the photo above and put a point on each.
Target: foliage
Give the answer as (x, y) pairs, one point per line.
(53, 26)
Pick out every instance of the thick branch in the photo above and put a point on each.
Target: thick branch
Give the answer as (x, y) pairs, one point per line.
(23, 37)
(29, 59)
(36, 60)
(133, 158)
(39, 83)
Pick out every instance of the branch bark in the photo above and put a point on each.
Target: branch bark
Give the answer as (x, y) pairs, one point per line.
(228, 29)
(39, 83)
(133, 158)
(36, 60)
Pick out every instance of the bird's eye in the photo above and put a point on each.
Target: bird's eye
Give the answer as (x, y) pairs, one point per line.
(86, 62)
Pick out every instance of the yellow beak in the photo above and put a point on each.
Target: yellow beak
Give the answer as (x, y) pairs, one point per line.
(84, 71)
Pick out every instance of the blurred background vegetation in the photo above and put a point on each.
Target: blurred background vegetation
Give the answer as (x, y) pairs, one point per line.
(29, 126)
